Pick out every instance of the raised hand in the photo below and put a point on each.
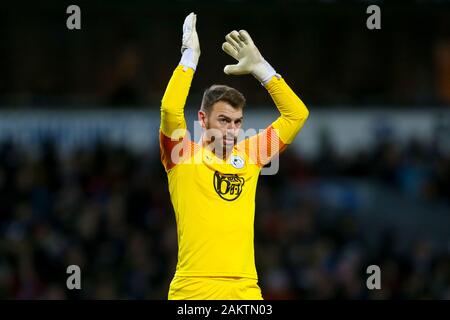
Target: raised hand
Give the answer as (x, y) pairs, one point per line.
(240, 46)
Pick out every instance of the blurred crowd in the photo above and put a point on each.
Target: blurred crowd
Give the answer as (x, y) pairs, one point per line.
(124, 54)
(108, 211)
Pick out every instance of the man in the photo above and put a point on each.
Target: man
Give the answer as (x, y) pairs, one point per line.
(212, 182)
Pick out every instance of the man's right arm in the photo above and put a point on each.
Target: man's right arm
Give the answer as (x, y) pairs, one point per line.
(174, 100)
(173, 123)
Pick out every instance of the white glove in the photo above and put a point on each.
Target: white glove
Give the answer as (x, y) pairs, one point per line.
(240, 46)
(190, 48)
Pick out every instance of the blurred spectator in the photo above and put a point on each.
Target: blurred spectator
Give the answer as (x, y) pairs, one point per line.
(124, 54)
(107, 210)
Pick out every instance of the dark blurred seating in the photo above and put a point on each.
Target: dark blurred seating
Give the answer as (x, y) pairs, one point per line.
(108, 211)
(124, 53)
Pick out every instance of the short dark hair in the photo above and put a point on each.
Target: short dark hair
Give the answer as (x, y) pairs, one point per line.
(220, 92)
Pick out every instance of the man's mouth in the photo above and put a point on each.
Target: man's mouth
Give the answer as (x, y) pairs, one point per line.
(229, 140)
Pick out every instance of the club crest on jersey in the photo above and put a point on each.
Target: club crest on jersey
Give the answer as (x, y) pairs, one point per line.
(228, 186)
(237, 161)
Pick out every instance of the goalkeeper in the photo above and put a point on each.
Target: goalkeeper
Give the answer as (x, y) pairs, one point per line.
(212, 182)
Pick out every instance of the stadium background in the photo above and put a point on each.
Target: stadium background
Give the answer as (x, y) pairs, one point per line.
(366, 182)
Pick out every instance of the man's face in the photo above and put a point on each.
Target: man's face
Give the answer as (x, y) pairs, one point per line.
(222, 124)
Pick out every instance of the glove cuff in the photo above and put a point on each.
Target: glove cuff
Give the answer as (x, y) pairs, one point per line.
(264, 72)
(189, 58)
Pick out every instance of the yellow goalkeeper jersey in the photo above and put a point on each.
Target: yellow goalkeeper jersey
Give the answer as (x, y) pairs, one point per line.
(214, 199)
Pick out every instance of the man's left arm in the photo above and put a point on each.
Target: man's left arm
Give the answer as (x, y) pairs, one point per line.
(293, 112)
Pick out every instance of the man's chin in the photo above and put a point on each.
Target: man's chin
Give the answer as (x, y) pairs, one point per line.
(227, 144)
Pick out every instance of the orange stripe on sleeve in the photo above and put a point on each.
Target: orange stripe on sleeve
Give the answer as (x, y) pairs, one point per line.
(261, 148)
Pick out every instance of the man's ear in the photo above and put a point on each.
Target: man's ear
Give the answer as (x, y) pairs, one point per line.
(202, 118)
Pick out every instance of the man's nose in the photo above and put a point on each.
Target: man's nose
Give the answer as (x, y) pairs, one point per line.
(231, 131)
(232, 126)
